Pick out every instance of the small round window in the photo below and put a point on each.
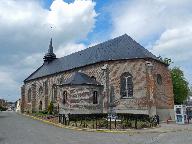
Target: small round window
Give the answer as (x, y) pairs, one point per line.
(159, 79)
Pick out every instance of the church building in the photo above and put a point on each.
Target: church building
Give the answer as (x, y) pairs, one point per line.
(118, 76)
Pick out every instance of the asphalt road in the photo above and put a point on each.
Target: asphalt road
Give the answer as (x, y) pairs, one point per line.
(18, 129)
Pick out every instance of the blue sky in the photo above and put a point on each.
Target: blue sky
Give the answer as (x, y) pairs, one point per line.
(163, 27)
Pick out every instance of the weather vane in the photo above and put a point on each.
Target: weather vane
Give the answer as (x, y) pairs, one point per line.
(52, 31)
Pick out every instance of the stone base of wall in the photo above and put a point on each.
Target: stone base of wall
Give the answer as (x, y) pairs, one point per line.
(165, 114)
(79, 111)
(133, 111)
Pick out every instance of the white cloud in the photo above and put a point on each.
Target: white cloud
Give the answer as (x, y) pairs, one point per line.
(32, 60)
(7, 85)
(28, 24)
(72, 21)
(165, 26)
(143, 18)
(69, 48)
(137, 18)
(6, 79)
(26, 30)
(176, 44)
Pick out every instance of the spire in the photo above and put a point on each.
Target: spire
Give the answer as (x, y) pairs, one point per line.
(50, 56)
(50, 47)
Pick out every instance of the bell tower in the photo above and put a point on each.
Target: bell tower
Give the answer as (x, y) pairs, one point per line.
(49, 56)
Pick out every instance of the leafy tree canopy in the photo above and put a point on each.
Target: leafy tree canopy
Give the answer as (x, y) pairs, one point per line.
(180, 85)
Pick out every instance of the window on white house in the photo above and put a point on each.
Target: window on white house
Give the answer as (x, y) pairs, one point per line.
(126, 85)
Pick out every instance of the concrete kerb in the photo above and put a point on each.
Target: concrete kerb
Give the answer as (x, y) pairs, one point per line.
(127, 131)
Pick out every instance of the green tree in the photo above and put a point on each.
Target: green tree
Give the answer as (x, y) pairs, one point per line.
(50, 108)
(180, 85)
(2, 108)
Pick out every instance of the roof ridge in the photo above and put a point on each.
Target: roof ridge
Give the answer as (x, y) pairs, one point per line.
(79, 78)
(119, 48)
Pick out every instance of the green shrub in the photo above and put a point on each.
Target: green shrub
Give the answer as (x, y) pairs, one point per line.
(102, 123)
(44, 112)
(3, 108)
(127, 124)
(50, 108)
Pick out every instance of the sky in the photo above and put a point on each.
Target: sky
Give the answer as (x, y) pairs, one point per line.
(164, 27)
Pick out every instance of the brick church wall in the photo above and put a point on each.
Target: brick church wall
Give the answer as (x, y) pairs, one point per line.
(137, 68)
(80, 99)
(164, 91)
(110, 78)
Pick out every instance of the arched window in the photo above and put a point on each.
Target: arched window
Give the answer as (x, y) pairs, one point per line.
(159, 79)
(93, 78)
(61, 80)
(40, 106)
(64, 97)
(29, 95)
(95, 97)
(54, 93)
(126, 85)
(40, 90)
(46, 87)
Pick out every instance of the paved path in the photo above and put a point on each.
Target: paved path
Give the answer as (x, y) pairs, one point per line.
(18, 129)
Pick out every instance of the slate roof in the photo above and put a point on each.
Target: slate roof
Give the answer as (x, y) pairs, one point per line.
(122, 47)
(79, 78)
